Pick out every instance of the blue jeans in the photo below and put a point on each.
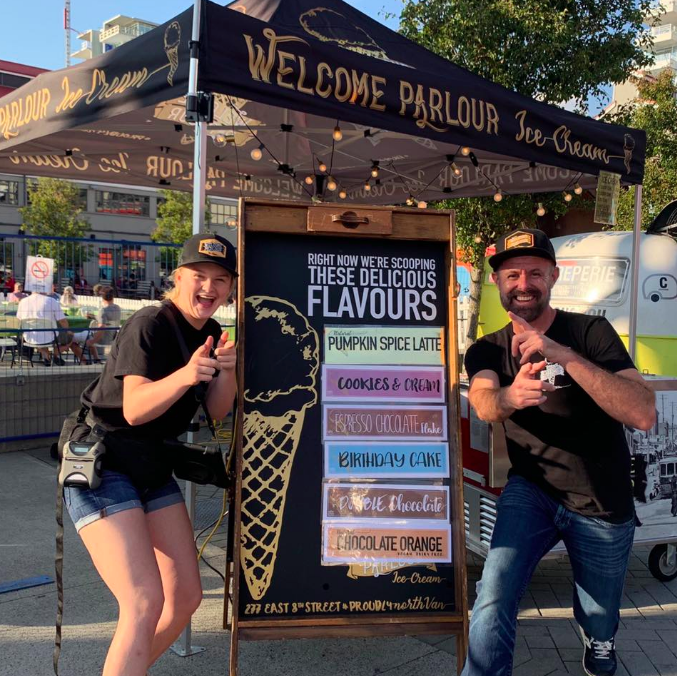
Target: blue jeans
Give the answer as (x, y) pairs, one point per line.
(529, 524)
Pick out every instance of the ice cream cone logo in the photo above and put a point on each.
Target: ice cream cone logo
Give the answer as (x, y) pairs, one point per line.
(172, 40)
(280, 385)
(628, 148)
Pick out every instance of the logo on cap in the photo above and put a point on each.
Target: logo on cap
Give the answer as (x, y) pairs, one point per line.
(519, 239)
(212, 247)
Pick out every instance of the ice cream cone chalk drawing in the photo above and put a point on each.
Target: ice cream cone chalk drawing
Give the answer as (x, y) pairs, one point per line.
(278, 392)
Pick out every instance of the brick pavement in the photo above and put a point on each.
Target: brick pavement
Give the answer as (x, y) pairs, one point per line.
(548, 638)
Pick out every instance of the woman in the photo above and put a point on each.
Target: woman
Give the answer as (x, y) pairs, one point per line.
(68, 298)
(138, 534)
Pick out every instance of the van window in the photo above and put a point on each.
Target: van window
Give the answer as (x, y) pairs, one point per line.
(595, 280)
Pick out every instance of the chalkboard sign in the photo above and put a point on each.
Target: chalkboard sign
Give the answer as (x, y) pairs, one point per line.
(348, 511)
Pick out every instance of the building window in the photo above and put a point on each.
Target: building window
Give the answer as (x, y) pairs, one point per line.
(81, 198)
(223, 212)
(9, 192)
(108, 202)
(13, 81)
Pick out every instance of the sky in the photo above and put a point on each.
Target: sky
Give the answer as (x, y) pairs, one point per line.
(31, 31)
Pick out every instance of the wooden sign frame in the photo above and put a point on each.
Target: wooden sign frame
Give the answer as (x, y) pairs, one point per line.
(321, 221)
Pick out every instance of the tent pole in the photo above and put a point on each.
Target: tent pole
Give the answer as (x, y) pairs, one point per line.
(634, 284)
(200, 143)
(183, 646)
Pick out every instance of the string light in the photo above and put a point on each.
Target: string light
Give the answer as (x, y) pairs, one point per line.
(331, 184)
(308, 180)
(367, 187)
(577, 189)
(410, 201)
(498, 196)
(322, 167)
(257, 153)
(465, 151)
(567, 196)
(343, 194)
(422, 205)
(455, 169)
(541, 209)
(374, 170)
(338, 134)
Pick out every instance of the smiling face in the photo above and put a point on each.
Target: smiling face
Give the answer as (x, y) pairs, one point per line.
(524, 284)
(201, 288)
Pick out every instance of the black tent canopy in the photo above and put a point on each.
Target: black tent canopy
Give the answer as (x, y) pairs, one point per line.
(339, 106)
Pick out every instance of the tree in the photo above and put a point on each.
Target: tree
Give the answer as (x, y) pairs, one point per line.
(552, 50)
(655, 111)
(175, 222)
(55, 210)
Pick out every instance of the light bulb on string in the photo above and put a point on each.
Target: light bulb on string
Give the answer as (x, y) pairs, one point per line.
(465, 151)
(257, 153)
(498, 196)
(343, 194)
(308, 180)
(455, 169)
(541, 209)
(337, 135)
(331, 184)
(422, 205)
(374, 170)
(322, 167)
(367, 186)
(577, 189)
(567, 196)
(410, 201)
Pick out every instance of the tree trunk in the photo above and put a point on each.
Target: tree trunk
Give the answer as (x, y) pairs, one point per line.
(475, 296)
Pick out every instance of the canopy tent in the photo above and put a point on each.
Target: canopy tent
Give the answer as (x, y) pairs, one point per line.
(285, 76)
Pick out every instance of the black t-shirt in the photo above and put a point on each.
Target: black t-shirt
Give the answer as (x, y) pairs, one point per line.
(147, 346)
(569, 446)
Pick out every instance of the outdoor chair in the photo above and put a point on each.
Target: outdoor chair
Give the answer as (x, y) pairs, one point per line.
(39, 332)
(10, 337)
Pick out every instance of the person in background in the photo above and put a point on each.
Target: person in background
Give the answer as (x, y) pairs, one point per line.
(107, 318)
(68, 297)
(562, 385)
(17, 294)
(9, 282)
(55, 293)
(42, 306)
(96, 289)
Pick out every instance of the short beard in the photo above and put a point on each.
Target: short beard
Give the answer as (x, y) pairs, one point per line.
(529, 314)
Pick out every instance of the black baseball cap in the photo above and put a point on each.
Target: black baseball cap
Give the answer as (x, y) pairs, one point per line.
(522, 242)
(209, 248)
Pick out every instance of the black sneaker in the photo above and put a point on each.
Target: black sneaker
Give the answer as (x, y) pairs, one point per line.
(58, 361)
(599, 657)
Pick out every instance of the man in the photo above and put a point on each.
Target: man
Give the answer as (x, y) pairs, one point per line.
(562, 385)
(18, 293)
(41, 306)
(107, 318)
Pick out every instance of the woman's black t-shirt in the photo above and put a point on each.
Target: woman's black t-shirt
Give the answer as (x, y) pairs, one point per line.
(147, 346)
(569, 446)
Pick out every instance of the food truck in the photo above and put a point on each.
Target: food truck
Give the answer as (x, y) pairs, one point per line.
(595, 278)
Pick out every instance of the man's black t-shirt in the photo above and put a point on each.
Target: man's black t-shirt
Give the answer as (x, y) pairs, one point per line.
(569, 446)
(147, 346)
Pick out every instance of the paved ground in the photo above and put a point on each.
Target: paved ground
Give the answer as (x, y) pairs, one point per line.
(548, 640)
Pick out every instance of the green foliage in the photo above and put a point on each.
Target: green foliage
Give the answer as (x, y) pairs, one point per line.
(656, 114)
(175, 222)
(553, 50)
(55, 210)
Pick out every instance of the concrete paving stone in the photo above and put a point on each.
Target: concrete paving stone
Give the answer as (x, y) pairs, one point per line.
(557, 612)
(640, 598)
(669, 636)
(667, 670)
(570, 654)
(546, 599)
(627, 644)
(520, 656)
(542, 662)
(447, 646)
(638, 634)
(565, 637)
(659, 654)
(650, 623)
(433, 640)
(529, 613)
(660, 592)
(539, 642)
(526, 630)
(638, 664)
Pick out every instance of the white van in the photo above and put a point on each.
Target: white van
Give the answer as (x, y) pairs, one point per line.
(595, 278)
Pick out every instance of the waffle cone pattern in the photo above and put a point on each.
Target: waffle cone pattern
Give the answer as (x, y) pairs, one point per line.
(271, 439)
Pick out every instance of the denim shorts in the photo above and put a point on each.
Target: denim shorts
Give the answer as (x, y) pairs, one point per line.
(116, 493)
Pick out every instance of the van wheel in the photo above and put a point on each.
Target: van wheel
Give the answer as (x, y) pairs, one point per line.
(659, 566)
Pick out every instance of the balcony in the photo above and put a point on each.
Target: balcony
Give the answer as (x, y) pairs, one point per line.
(664, 35)
(85, 51)
(119, 35)
(663, 61)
